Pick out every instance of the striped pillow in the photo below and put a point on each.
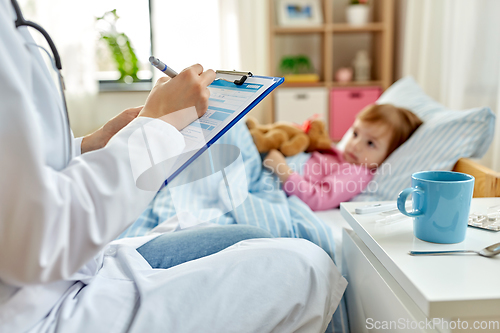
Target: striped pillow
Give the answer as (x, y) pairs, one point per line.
(444, 137)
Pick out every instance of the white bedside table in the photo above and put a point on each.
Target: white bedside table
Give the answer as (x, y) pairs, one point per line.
(417, 294)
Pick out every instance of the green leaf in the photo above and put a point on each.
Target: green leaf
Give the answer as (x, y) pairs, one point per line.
(121, 48)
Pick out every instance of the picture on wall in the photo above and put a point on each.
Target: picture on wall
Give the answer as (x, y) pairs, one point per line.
(299, 13)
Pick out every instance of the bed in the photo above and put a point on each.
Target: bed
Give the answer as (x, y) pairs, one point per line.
(487, 183)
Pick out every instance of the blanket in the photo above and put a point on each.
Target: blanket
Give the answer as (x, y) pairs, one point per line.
(266, 205)
(255, 199)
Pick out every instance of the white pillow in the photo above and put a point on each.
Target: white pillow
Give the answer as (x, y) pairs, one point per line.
(444, 137)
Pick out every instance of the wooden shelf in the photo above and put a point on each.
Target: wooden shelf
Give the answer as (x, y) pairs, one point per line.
(329, 84)
(325, 43)
(356, 84)
(299, 30)
(331, 27)
(304, 84)
(344, 27)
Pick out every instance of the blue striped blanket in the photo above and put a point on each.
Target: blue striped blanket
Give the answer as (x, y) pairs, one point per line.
(265, 205)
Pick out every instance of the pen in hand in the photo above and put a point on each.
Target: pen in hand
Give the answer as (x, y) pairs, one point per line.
(162, 67)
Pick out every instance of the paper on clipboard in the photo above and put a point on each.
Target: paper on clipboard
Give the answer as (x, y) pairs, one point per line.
(226, 103)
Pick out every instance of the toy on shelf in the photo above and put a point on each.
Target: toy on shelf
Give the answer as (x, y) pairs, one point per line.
(289, 138)
(358, 12)
(362, 66)
(343, 75)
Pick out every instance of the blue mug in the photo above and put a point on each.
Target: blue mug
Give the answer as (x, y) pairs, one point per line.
(441, 205)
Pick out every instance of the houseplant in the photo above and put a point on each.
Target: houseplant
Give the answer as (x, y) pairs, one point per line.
(120, 48)
(298, 69)
(357, 12)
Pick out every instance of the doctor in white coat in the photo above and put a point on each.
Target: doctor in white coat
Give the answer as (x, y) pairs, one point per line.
(64, 200)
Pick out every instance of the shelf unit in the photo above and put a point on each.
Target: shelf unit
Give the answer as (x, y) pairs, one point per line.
(329, 38)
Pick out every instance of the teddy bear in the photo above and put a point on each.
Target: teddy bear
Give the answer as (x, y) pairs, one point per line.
(289, 138)
(318, 136)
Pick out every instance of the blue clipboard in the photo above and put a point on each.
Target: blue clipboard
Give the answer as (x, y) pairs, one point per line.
(276, 82)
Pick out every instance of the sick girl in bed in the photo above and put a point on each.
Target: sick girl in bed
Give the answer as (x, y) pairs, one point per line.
(330, 177)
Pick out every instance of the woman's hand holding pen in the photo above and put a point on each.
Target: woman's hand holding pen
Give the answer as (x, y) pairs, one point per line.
(187, 93)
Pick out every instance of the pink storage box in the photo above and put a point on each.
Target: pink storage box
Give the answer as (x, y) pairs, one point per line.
(345, 104)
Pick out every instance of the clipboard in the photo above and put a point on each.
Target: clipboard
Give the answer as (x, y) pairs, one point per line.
(233, 80)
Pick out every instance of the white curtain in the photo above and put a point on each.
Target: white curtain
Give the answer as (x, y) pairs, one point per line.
(219, 34)
(452, 48)
(71, 26)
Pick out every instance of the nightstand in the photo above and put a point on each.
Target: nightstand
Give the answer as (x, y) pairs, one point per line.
(390, 290)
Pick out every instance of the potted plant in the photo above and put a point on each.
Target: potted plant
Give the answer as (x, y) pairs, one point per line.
(120, 47)
(298, 69)
(358, 12)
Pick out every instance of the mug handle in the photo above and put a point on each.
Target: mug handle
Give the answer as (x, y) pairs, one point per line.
(402, 201)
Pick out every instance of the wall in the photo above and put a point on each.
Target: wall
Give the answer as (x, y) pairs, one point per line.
(253, 26)
(89, 117)
(399, 32)
(447, 47)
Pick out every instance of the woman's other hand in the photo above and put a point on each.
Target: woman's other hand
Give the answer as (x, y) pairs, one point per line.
(100, 138)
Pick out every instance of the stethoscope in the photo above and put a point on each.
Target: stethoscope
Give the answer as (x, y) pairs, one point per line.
(20, 21)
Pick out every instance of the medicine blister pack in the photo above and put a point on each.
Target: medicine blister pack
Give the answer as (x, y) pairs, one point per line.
(488, 221)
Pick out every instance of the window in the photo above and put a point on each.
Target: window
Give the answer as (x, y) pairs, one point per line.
(183, 33)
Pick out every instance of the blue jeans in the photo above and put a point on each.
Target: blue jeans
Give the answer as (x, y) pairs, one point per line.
(171, 249)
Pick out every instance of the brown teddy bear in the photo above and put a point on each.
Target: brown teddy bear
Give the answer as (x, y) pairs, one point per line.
(288, 138)
(318, 136)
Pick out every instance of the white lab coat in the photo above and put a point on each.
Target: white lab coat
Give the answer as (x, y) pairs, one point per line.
(58, 272)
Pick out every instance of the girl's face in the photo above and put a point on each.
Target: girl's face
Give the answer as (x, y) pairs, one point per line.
(368, 145)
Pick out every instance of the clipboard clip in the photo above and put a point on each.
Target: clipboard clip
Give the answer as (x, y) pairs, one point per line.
(244, 76)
